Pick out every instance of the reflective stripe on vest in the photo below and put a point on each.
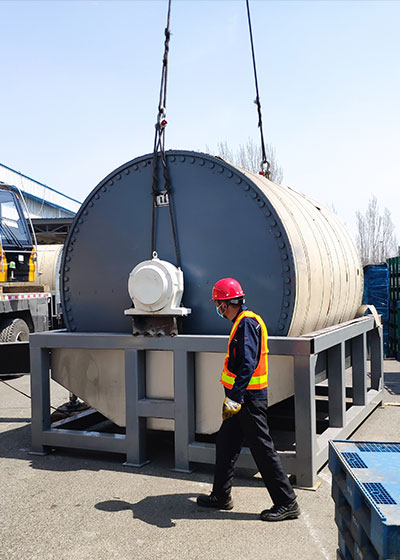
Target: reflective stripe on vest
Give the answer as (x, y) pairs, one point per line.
(259, 379)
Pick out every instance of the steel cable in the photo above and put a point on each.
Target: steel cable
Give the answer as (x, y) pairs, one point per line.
(29, 397)
(266, 172)
(159, 152)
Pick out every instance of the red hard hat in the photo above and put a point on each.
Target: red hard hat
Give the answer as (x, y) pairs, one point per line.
(227, 288)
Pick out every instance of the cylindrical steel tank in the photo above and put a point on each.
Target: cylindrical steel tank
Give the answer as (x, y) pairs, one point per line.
(49, 270)
(294, 258)
(49, 265)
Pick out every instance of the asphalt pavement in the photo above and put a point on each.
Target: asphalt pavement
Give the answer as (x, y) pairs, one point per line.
(71, 505)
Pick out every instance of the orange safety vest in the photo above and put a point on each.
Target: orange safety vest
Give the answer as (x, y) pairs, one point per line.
(259, 379)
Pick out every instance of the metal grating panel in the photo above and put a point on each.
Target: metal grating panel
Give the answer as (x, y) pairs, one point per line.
(379, 447)
(378, 493)
(354, 460)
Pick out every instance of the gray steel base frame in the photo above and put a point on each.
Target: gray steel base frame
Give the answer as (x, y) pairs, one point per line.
(318, 356)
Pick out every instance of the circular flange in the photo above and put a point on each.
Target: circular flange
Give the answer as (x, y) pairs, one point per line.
(226, 227)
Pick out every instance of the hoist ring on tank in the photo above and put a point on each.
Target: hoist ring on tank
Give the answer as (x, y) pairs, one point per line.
(278, 250)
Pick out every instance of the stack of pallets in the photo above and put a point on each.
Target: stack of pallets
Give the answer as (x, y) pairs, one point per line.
(394, 307)
(366, 492)
(376, 293)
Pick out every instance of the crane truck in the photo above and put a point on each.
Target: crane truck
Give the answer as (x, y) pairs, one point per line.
(29, 299)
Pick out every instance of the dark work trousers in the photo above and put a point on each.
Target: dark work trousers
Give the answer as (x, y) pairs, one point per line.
(250, 425)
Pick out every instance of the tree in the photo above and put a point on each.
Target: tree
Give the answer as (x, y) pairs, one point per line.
(249, 157)
(376, 238)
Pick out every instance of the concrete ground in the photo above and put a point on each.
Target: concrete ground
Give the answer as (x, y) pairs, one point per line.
(76, 506)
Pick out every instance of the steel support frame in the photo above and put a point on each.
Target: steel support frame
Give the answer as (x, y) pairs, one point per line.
(311, 450)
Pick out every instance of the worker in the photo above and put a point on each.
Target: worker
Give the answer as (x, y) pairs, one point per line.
(244, 412)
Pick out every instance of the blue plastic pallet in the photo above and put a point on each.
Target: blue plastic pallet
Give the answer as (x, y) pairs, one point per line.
(354, 543)
(366, 491)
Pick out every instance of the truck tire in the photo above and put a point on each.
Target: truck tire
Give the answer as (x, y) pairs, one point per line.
(14, 330)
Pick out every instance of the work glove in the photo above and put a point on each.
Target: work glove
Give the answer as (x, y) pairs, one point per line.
(230, 408)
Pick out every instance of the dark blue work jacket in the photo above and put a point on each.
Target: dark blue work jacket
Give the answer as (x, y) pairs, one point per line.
(244, 355)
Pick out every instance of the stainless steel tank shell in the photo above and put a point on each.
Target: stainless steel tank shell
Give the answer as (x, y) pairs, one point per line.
(296, 261)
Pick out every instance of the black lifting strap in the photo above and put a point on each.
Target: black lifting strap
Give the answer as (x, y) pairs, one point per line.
(265, 164)
(164, 197)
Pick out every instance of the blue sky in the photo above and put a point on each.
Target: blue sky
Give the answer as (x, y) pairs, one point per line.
(81, 82)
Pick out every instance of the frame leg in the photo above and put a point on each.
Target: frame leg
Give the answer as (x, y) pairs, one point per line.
(40, 399)
(305, 419)
(336, 386)
(359, 369)
(135, 389)
(184, 408)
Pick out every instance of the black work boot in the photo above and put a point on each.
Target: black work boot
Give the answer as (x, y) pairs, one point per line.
(212, 501)
(279, 513)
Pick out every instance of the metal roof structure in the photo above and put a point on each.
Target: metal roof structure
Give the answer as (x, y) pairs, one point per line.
(41, 201)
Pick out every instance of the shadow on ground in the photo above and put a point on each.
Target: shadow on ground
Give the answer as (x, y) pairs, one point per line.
(163, 510)
(392, 383)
